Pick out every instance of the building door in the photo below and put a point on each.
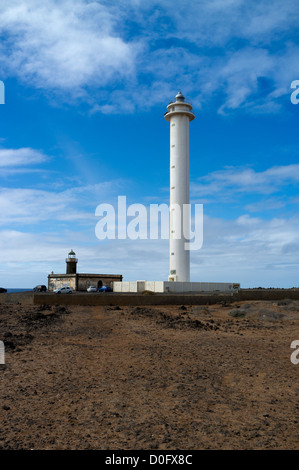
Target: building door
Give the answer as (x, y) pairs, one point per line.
(100, 284)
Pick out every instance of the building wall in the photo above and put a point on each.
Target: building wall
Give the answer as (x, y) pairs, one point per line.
(84, 281)
(81, 282)
(55, 282)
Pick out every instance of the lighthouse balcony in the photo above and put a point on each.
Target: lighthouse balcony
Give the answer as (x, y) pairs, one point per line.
(180, 111)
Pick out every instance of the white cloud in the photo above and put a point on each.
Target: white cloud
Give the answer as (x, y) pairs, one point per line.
(63, 45)
(238, 180)
(23, 206)
(222, 48)
(20, 157)
(115, 55)
(26, 206)
(218, 21)
(247, 250)
(267, 204)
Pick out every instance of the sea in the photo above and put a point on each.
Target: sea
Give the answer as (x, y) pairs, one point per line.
(17, 289)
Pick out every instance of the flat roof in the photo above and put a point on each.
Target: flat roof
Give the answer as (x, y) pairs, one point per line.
(84, 275)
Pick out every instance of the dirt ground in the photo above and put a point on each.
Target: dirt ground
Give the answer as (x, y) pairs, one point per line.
(139, 378)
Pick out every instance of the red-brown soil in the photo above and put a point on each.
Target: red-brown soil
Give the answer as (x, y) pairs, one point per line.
(178, 377)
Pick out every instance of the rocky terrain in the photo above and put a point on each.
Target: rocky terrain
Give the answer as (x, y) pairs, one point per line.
(178, 377)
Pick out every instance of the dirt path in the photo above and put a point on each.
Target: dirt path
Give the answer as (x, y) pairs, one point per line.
(150, 377)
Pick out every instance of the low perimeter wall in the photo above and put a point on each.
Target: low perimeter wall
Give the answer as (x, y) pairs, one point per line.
(89, 299)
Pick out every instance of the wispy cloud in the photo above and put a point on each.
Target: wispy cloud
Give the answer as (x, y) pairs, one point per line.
(63, 45)
(20, 157)
(246, 180)
(249, 250)
(23, 206)
(246, 249)
(116, 55)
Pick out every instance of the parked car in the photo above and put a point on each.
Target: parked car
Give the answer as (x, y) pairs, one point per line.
(2, 290)
(92, 289)
(40, 288)
(63, 290)
(104, 289)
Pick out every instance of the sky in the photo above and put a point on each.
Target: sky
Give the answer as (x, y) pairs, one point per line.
(86, 88)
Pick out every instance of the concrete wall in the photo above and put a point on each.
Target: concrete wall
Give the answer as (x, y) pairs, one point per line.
(24, 298)
(175, 287)
(130, 299)
(48, 298)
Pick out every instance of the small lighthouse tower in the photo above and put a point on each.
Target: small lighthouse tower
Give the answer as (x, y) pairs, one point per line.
(179, 114)
(71, 263)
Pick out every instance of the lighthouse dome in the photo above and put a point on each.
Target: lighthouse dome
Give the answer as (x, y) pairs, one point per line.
(180, 96)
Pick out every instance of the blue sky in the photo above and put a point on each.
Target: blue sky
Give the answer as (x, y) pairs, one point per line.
(86, 87)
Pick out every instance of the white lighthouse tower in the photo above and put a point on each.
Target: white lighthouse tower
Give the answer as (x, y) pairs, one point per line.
(179, 114)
